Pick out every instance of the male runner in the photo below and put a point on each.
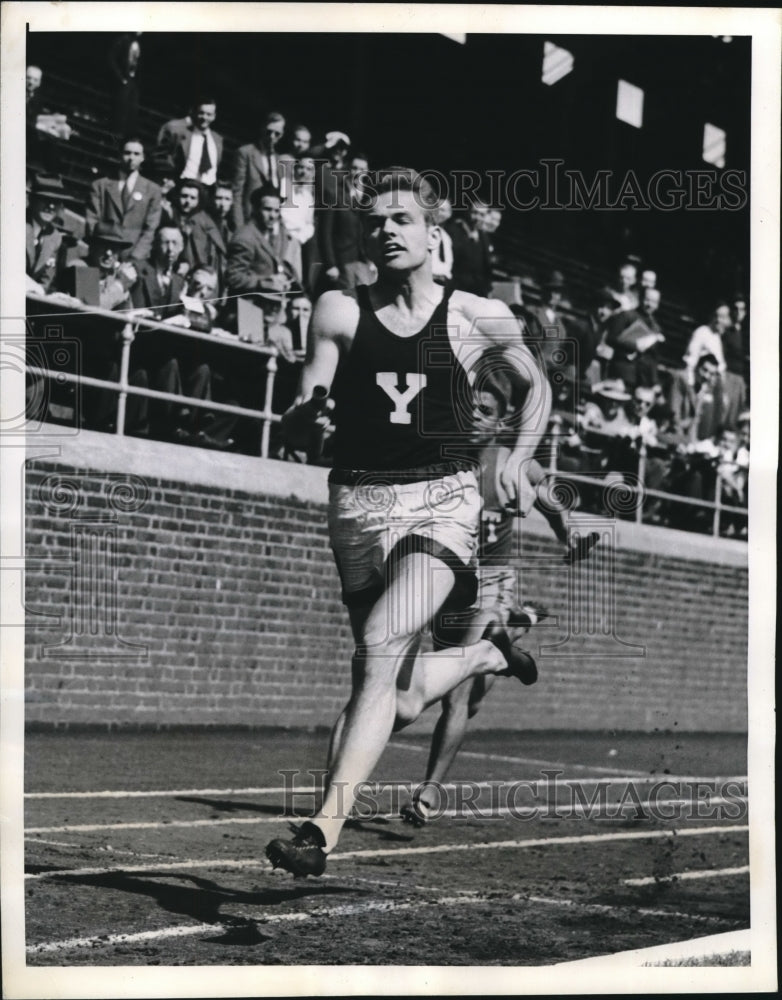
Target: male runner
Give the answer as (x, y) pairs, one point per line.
(403, 515)
(493, 413)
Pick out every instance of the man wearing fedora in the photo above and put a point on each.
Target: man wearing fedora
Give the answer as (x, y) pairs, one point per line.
(263, 256)
(130, 202)
(44, 239)
(116, 277)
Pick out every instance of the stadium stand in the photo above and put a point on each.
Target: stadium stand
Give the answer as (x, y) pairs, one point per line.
(522, 260)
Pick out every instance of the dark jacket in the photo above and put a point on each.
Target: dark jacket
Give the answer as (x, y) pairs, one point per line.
(137, 222)
(252, 257)
(472, 258)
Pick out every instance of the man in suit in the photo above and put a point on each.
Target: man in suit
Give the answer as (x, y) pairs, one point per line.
(548, 325)
(635, 361)
(341, 234)
(262, 256)
(472, 252)
(44, 241)
(166, 363)
(203, 242)
(257, 164)
(196, 149)
(129, 202)
(159, 286)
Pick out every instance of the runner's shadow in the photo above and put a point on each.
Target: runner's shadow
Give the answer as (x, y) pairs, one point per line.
(227, 805)
(374, 826)
(204, 900)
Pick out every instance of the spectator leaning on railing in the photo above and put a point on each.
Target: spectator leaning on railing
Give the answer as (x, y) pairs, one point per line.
(718, 339)
(262, 257)
(159, 287)
(697, 406)
(129, 202)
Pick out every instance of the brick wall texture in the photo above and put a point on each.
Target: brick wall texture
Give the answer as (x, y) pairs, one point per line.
(153, 601)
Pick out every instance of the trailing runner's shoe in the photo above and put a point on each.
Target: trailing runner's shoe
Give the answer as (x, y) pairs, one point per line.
(508, 639)
(417, 812)
(580, 546)
(527, 615)
(303, 855)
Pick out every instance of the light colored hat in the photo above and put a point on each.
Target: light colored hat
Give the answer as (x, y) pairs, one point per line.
(332, 138)
(612, 389)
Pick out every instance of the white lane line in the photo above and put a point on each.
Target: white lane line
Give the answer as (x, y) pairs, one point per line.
(621, 776)
(188, 930)
(618, 835)
(158, 825)
(503, 758)
(318, 913)
(682, 876)
(163, 792)
(643, 911)
(552, 810)
(589, 838)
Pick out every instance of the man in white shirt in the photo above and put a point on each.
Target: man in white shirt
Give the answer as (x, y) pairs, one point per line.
(707, 339)
(196, 148)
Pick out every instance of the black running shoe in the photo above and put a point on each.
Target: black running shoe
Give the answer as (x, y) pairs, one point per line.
(417, 812)
(303, 855)
(580, 546)
(508, 639)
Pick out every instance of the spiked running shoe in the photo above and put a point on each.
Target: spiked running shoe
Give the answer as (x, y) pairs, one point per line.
(508, 639)
(417, 812)
(580, 546)
(303, 854)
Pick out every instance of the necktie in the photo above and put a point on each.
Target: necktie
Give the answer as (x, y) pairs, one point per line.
(125, 197)
(206, 163)
(273, 177)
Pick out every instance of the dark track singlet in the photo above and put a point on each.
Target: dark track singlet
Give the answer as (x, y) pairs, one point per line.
(399, 400)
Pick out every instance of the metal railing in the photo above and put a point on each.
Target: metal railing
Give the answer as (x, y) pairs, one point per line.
(638, 489)
(130, 325)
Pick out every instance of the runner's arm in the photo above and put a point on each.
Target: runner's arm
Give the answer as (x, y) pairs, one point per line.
(493, 322)
(334, 320)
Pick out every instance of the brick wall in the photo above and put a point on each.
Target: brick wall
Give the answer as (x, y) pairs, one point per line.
(170, 586)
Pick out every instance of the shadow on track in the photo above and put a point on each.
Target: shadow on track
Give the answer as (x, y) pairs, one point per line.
(205, 899)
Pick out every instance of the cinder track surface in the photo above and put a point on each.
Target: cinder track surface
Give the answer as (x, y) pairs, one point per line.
(521, 870)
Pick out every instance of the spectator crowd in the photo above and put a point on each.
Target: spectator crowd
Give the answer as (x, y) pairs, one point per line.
(240, 246)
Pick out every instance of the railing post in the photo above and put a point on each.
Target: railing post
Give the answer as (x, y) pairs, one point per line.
(556, 428)
(639, 507)
(717, 505)
(128, 335)
(271, 369)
